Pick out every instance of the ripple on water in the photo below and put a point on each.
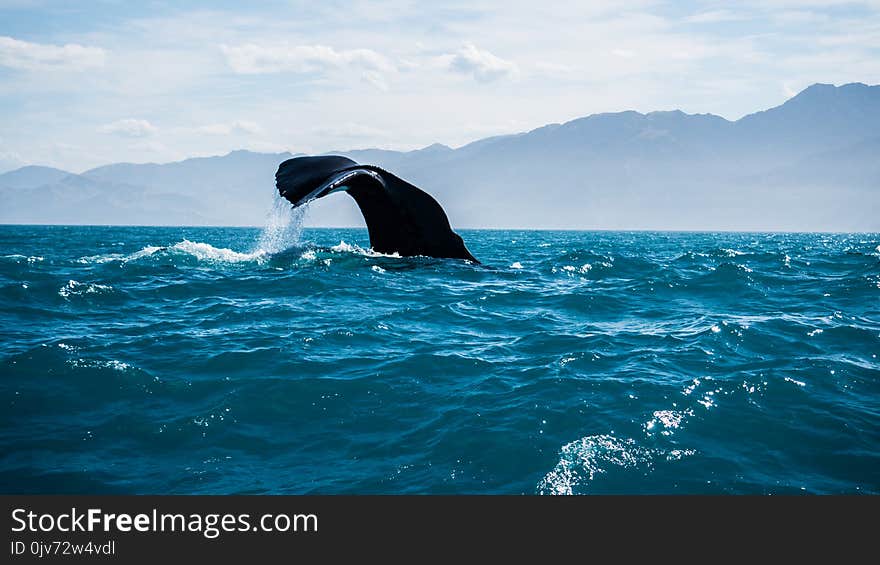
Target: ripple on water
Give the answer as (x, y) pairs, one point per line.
(224, 360)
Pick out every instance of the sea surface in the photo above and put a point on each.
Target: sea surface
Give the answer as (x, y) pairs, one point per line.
(281, 360)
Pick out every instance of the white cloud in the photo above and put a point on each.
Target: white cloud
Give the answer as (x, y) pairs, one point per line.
(374, 78)
(420, 84)
(483, 65)
(624, 53)
(130, 128)
(150, 146)
(258, 59)
(349, 130)
(716, 16)
(238, 126)
(17, 54)
(10, 160)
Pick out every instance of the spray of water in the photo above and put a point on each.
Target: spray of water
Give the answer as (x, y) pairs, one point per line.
(284, 227)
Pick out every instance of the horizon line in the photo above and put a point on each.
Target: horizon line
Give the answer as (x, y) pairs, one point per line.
(364, 228)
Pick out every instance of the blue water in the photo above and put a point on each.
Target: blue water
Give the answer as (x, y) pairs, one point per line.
(233, 360)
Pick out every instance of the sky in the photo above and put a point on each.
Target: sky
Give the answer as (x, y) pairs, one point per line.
(84, 84)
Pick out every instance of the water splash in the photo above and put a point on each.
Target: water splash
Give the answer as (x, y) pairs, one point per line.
(582, 460)
(284, 226)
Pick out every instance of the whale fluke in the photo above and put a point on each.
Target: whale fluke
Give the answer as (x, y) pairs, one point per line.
(400, 217)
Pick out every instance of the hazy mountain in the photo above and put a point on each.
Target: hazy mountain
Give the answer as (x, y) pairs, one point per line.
(31, 176)
(77, 199)
(812, 163)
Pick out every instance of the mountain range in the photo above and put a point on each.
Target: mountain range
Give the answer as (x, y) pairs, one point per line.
(810, 164)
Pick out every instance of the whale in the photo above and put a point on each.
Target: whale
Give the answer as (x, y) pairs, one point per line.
(401, 218)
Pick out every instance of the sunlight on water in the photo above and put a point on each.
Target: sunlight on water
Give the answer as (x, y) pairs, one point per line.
(284, 225)
(610, 362)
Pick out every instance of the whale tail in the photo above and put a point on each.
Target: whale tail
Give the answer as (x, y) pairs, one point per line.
(400, 217)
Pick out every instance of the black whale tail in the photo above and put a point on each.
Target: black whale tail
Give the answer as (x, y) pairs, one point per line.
(400, 217)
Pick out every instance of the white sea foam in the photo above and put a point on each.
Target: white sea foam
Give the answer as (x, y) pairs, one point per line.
(691, 387)
(582, 460)
(16, 257)
(516, 265)
(678, 454)
(207, 252)
(344, 247)
(95, 363)
(571, 269)
(708, 400)
(110, 257)
(199, 250)
(669, 419)
(796, 382)
(76, 288)
(100, 258)
(145, 252)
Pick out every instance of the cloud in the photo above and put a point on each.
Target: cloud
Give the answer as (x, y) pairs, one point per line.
(375, 79)
(716, 16)
(551, 68)
(800, 17)
(259, 59)
(10, 160)
(130, 128)
(421, 83)
(624, 53)
(483, 65)
(350, 130)
(238, 126)
(24, 55)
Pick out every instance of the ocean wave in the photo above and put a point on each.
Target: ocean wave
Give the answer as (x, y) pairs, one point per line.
(18, 258)
(76, 288)
(667, 421)
(572, 270)
(581, 461)
(343, 247)
(94, 363)
(199, 250)
(318, 366)
(121, 257)
(207, 252)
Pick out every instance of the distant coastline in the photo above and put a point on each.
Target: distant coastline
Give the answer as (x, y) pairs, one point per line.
(808, 165)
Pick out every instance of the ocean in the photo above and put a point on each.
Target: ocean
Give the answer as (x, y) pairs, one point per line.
(282, 360)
